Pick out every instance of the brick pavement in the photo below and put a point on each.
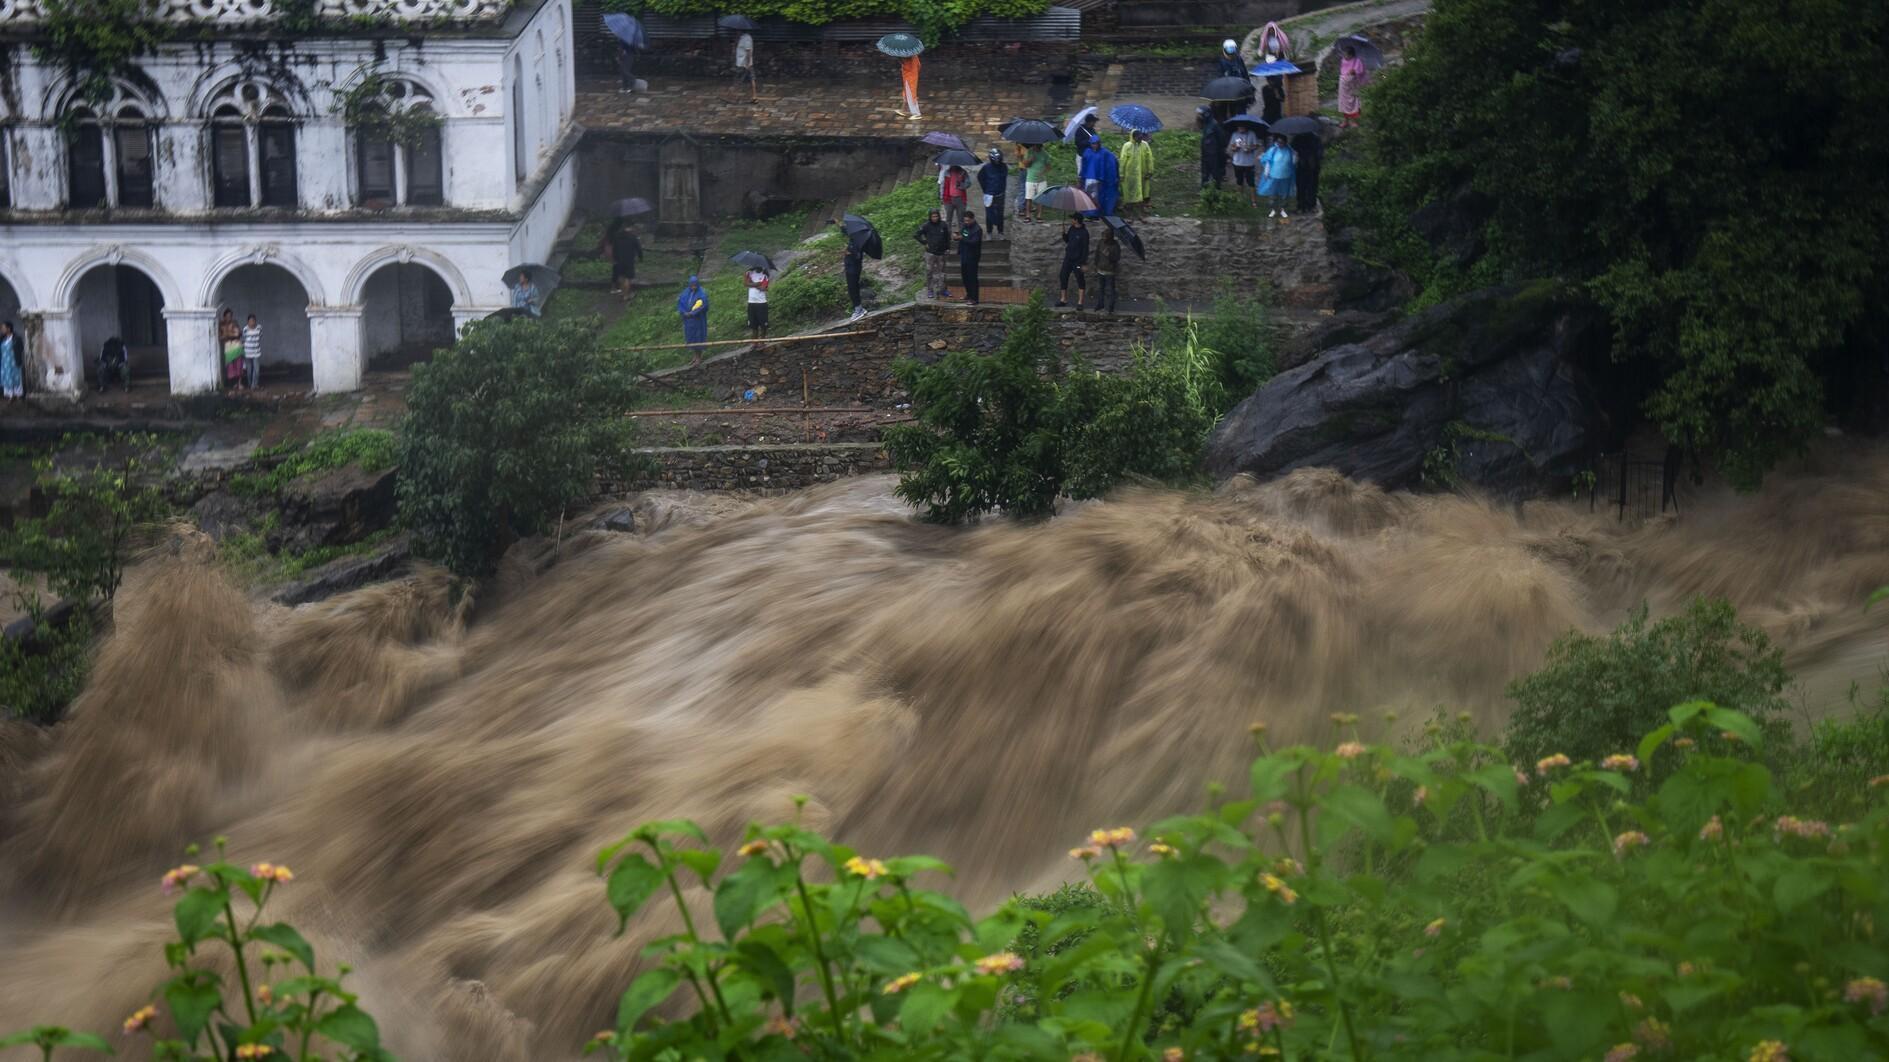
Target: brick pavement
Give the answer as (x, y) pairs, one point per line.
(806, 108)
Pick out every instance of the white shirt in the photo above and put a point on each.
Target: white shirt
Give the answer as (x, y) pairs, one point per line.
(759, 295)
(1244, 144)
(744, 51)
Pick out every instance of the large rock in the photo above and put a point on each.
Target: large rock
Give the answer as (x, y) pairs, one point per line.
(335, 508)
(1492, 390)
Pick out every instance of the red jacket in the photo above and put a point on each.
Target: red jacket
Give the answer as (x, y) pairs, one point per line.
(954, 185)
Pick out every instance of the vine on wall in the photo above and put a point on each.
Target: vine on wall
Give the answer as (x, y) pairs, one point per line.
(98, 41)
(375, 108)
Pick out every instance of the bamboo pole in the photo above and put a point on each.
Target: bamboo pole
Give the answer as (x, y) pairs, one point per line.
(751, 342)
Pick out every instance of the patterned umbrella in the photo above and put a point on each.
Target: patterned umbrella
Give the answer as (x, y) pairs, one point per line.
(1064, 197)
(901, 45)
(1135, 118)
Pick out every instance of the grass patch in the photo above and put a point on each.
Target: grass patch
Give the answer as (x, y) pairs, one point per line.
(370, 448)
(247, 558)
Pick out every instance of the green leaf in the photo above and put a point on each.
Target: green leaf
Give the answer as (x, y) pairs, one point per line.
(886, 955)
(191, 1002)
(1224, 958)
(766, 966)
(56, 1036)
(701, 860)
(632, 881)
(672, 828)
(1799, 885)
(350, 1026)
(284, 936)
(1442, 860)
(1497, 779)
(649, 989)
(1360, 807)
(1736, 723)
(1592, 901)
(1881, 594)
(1177, 888)
(1269, 777)
(925, 1006)
(197, 913)
(1681, 714)
(1651, 742)
(744, 894)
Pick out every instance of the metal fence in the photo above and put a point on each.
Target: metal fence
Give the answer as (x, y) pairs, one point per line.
(1639, 487)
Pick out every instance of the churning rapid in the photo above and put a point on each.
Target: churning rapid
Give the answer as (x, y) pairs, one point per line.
(440, 776)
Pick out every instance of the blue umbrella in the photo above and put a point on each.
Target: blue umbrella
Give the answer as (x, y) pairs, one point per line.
(900, 45)
(626, 29)
(1135, 118)
(1270, 69)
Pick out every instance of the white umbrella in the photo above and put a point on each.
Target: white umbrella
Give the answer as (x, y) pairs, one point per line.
(1069, 131)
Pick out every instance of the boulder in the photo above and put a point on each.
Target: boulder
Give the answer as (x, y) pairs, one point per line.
(348, 573)
(621, 520)
(221, 514)
(1492, 390)
(334, 508)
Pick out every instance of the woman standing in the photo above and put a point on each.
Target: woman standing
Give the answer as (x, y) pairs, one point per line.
(229, 339)
(1137, 164)
(1351, 78)
(1278, 166)
(12, 376)
(908, 72)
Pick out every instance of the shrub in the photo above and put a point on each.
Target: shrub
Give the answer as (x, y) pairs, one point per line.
(504, 431)
(270, 1010)
(373, 449)
(1595, 694)
(1701, 920)
(41, 675)
(83, 542)
(1149, 421)
(802, 297)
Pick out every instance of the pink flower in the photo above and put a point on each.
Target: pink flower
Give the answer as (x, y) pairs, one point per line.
(1002, 962)
(1653, 1034)
(1620, 761)
(1620, 1053)
(1549, 763)
(1267, 1017)
(1085, 853)
(272, 872)
(1520, 777)
(1350, 750)
(1809, 829)
(1628, 841)
(140, 1019)
(1868, 990)
(1712, 830)
(783, 1027)
(177, 877)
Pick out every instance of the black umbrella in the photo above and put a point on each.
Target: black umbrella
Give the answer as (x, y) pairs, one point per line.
(738, 23)
(631, 207)
(944, 140)
(955, 157)
(861, 236)
(753, 260)
(1030, 131)
(1227, 89)
(1298, 123)
(1250, 121)
(1064, 197)
(544, 277)
(1372, 55)
(1127, 234)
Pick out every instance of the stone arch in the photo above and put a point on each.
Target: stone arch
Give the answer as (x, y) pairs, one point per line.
(114, 255)
(218, 80)
(65, 93)
(264, 254)
(356, 284)
(20, 281)
(436, 97)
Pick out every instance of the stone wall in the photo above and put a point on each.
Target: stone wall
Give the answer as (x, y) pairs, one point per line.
(766, 469)
(614, 165)
(1035, 63)
(1193, 13)
(1189, 257)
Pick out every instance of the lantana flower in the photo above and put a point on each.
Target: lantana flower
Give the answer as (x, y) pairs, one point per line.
(1620, 1053)
(1620, 761)
(1279, 888)
(177, 877)
(1809, 829)
(752, 849)
(1631, 1001)
(281, 875)
(781, 1026)
(865, 868)
(1769, 1051)
(1267, 1016)
(254, 1051)
(1435, 929)
(1628, 841)
(1085, 853)
(1420, 796)
(1653, 1034)
(1712, 830)
(901, 983)
(1160, 849)
(607, 1036)
(140, 1019)
(1549, 763)
(1350, 750)
(1173, 1054)
(1868, 990)
(1002, 962)
(1118, 837)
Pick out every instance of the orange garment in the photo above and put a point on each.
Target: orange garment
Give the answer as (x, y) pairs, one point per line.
(909, 68)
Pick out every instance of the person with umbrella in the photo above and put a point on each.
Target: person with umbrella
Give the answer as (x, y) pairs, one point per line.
(1280, 171)
(993, 178)
(1075, 255)
(905, 48)
(757, 273)
(1085, 136)
(1035, 179)
(525, 294)
(853, 263)
(1310, 148)
(970, 253)
(1243, 149)
(625, 249)
(692, 307)
(935, 236)
(1272, 99)
(1108, 263)
(1213, 149)
(954, 194)
(1137, 163)
(1351, 78)
(627, 34)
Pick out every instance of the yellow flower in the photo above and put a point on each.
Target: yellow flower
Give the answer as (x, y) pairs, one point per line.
(1631, 1001)
(1086, 852)
(1350, 750)
(900, 983)
(1256, 728)
(265, 994)
(1549, 763)
(1434, 929)
(1868, 990)
(1279, 888)
(254, 1051)
(140, 1019)
(1422, 794)
(1620, 761)
(1344, 718)
(781, 1026)
(607, 1036)
(1288, 866)
(1173, 1054)
(1770, 1051)
(1002, 962)
(865, 868)
(1712, 830)
(1157, 848)
(178, 876)
(1621, 1053)
(1115, 838)
(1683, 743)
(1628, 841)
(751, 849)
(271, 872)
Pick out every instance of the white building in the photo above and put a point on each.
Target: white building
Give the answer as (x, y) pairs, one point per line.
(361, 190)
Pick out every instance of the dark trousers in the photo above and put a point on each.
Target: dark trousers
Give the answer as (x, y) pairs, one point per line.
(626, 67)
(1105, 292)
(994, 214)
(852, 288)
(967, 272)
(1062, 280)
(1213, 174)
(1308, 187)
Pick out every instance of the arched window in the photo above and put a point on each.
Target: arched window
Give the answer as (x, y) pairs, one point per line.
(398, 155)
(111, 155)
(252, 148)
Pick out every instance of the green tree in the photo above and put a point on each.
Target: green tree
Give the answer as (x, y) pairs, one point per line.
(93, 508)
(1596, 695)
(507, 429)
(1720, 187)
(1148, 422)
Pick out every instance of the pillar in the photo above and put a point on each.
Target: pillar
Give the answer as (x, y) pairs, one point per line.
(54, 361)
(196, 364)
(337, 348)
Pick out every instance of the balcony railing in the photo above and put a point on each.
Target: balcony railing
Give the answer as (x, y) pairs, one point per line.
(27, 13)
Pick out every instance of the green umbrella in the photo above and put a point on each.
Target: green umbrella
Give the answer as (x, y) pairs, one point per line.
(901, 45)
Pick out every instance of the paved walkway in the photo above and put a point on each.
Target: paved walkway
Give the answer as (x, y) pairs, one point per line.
(804, 109)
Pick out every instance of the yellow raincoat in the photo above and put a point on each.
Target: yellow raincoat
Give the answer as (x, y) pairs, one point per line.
(1137, 171)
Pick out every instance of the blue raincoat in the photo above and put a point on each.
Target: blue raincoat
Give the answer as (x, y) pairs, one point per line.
(692, 304)
(1101, 166)
(1277, 165)
(12, 378)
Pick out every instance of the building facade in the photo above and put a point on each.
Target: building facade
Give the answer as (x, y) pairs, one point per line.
(361, 188)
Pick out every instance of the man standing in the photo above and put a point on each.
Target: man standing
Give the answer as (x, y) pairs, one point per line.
(1108, 262)
(692, 307)
(970, 253)
(1075, 253)
(1137, 163)
(1230, 64)
(626, 67)
(1108, 172)
(744, 67)
(1213, 149)
(936, 238)
(954, 193)
(758, 282)
(1311, 149)
(625, 251)
(1035, 179)
(854, 262)
(993, 179)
